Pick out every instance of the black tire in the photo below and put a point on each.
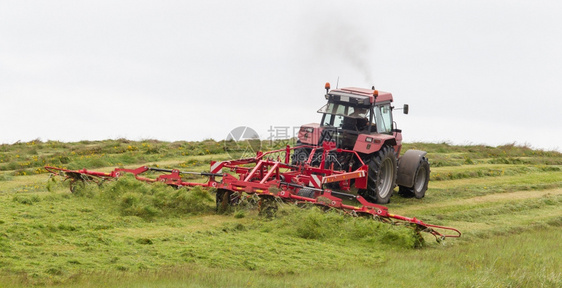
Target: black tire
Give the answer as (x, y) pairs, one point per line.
(382, 176)
(421, 179)
(300, 155)
(305, 192)
(224, 200)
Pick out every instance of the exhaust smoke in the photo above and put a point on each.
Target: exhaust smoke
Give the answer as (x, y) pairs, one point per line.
(337, 40)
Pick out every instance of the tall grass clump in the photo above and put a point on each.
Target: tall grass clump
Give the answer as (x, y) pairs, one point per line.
(149, 200)
(333, 226)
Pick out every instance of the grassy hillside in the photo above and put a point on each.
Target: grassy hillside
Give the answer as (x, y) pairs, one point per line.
(506, 200)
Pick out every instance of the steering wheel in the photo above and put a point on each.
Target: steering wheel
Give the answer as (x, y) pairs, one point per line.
(328, 135)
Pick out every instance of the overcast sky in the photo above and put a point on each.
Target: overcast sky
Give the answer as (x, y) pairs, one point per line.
(473, 72)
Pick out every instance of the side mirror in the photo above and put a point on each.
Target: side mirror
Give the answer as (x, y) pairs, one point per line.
(406, 108)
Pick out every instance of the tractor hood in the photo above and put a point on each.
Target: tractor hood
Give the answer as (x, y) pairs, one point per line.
(310, 133)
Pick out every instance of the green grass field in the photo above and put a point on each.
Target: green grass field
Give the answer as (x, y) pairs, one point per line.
(506, 200)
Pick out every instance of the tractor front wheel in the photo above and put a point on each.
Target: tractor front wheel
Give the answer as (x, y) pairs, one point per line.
(300, 155)
(382, 175)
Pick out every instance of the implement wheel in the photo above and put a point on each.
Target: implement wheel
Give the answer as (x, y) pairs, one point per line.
(421, 180)
(305, 192)
(224, 200)
(382, 176)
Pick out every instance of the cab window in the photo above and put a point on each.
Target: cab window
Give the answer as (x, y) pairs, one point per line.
(383, 116)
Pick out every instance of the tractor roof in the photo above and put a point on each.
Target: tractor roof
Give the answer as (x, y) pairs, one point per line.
(362, 93)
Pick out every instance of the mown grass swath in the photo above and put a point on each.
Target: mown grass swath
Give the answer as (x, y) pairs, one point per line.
(506, 200)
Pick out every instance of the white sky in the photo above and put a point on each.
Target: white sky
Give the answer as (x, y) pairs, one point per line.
(473, 72)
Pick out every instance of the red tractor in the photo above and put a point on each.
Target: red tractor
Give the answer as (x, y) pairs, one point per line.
(361, 120)
(354, 154)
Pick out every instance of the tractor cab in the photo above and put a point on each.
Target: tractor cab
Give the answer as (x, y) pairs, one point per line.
(351, 112)
(347, 117)
(359, 123)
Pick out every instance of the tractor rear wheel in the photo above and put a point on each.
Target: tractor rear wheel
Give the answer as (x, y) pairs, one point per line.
(421, 180)
(382, 175)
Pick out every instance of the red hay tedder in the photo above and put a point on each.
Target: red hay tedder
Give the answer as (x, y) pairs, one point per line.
(353, 155)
